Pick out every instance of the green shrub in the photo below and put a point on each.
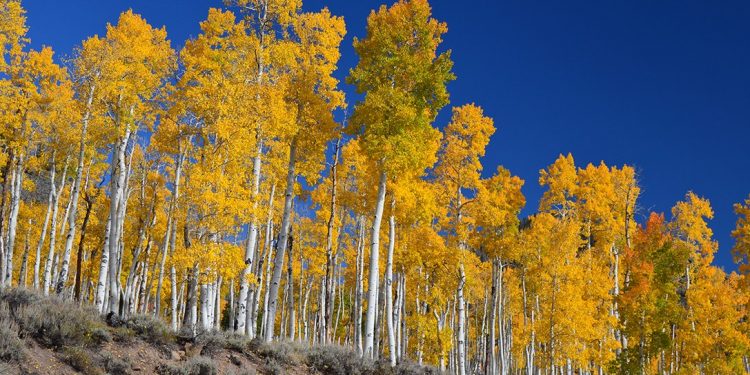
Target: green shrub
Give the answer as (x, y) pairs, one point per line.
(200, 366)
(336, 360)
(11, 347)
(236, 342)
(16, 298)
(114, 365)
(122, 334)
(407, 367)
(273, 367)
(212, 341)
(167, 369)
(194, 366)
(150, 329)
(80, 360)
(284, 352)
(56, 323)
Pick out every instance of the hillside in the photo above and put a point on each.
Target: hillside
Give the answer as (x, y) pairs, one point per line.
(45, 335)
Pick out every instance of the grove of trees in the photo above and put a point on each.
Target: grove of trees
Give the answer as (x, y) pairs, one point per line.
(213, 187)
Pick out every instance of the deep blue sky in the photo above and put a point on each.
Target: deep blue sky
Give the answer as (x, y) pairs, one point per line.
(661, 85)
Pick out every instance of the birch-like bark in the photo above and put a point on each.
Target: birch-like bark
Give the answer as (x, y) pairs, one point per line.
(63, 277)
(50, 203)
(389, 285)
(282, 244)
(117, 185)
(8, 184)
(269, 254)
(372, 293)
(216, 303)
(115, 264)
(492, 338)
(461, 348)
(79, 258)
(190, 319)
(15, 202)
(357, 311)
(112, 240)
(251, 246)
(144, 231)
(22, 281)
(290, 289)
(53, 231)
(170, 237)
(327, 301)
(253, 298)
(264, 257)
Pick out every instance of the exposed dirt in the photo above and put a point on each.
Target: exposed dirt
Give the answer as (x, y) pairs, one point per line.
(143, 358)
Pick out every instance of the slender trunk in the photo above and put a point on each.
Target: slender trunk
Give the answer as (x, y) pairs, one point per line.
(282, 244)
(15, 203)
(491, 358)
(117, 246)
(327, 302)
(25, 259)
(48, 271)
(461, 363)
(389, 286)
(111, 244)
(50, 203)
(290, 289)
(190, 319)
(372, 293)
(8, 184)
(79, 258)
(251, 246)
(357, 312)
(63, 277)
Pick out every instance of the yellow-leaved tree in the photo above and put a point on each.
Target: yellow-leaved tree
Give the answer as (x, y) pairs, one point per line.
(403, 78)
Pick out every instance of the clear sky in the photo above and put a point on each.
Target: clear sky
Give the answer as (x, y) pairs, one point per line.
(660, 85)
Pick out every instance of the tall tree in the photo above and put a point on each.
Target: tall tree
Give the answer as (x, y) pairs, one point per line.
(312, 95)
(138, 58)
(403, 78)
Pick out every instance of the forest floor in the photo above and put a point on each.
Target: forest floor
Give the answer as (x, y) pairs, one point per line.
(45, 335)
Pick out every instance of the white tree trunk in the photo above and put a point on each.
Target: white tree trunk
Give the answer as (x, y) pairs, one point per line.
(250, 248)
(63, 277)
(53, 232)
(282, 243)
(372, 293)
(15, 202)
(327, 287)
(40, 244)
(389, 287)
(358, 294)
(101, 285)
(461, 347)
(116, 198)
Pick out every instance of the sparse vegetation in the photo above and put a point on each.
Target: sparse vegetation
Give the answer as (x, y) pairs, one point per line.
(200, 366)
(76, 335)
(51, 321)
(150, 329)
(337, 360)
(11, 347)
(114, 365)
(194, 366)
(80, 359)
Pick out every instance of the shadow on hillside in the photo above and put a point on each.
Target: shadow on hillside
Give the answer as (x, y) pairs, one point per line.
(45, 335)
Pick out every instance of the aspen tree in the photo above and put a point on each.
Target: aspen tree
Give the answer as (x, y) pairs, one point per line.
(124, 87)
(403, 79)
(313, 95)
